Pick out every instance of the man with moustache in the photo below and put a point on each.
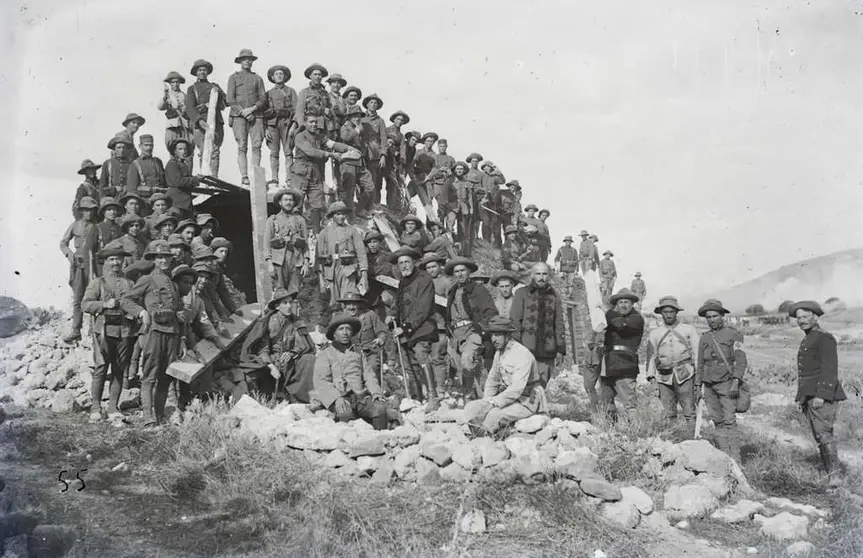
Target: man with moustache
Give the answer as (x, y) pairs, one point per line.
(623, 336)
(146, 174)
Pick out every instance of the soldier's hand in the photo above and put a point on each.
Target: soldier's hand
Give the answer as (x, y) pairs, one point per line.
(383, 161)
(734, 390)
(816, 402)
(398, 332)
(342, 406)
(146, 321)
(110, 304)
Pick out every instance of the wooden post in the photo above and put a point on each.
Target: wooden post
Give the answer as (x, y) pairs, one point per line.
(210, 135)
(258, 199)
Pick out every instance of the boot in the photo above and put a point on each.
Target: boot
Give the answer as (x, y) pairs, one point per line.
(830, 459)
(73, 335)
(433, 403)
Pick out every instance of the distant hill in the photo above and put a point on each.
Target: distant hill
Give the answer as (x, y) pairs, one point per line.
(838, 274)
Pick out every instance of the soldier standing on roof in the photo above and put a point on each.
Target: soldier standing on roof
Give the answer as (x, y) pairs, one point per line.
(173, 104)
(567, 259)
(197, 108)
(607, 274)
(342, 255)
(281, 126)
(247, 97)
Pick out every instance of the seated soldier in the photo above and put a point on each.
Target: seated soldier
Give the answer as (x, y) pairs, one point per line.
(441, 243)
(413, 234)
(373, 331)
(512, 389)
(342, 384)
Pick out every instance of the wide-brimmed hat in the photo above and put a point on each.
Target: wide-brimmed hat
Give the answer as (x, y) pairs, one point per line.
(583, 233)
(202, 268)
(543, 210)
(129, 220)
(312, 68)
(157, 248)
(161, 196)
(505, 274)
(351, 88)
(373, 96)
(203, 252)
(273, 69)
(476, 156)
(107, 202)
(337, 207)
(499, 324)
(567, 238)
(112, 250)
(341, 319)
(87, 203)
(337, 77)
(405, 251)
(296, 194)
(175, 239)
(164, 218)
(174, 143)
(119, 138)
(204, 218)
(433, 223)
(132, 195)
(451, 265)
(638, 274)
(87, 164)
(188, 223)
(134, 116)
(608, 253)
(403, 114)
(594, 237)
(354, 110)
(513, 185)
(461, 164)
(372, 235)
(411, 218)
(712, 304)
(280, 295)
(429, 135)
(183, 269)
(623, 293)
(221, 242)
(810, 305)
(174, 75)
(430, 257)
(486, 164)
(245, 53)
(413, 134)
(138, 268)
(530, 206)
(356, 298)
(667, 302)
(510, 229)
(198, 63)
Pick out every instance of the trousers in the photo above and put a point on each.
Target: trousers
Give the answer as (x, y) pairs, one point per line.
(617, 388)
(821, 420)
(590, 375)
(78, 280)
(354, 176)
(675, 394)
(160, 349)
(243, 132)
(366, 408)
(480, 414)
(218, 138)
(114, 354)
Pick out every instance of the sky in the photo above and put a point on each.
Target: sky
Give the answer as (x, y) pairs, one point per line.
(706, 143)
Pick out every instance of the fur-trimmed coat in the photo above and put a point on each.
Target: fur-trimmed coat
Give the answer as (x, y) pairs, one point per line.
(537, 315)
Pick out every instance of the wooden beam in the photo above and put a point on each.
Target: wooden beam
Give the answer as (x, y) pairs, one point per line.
(387, 231)
(258, 198)
(210, 135)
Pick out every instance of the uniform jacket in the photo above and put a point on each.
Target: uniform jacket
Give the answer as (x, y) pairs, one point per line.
(180, 182)
(371, 328)
(198, 104)
(607, 269)
(415, 307)
(281, 104)
(196, 318)
(174, 105)
(159, 296)
(418, 240)
(293, 231)
(587, 251)
(512, 251)
(443, 168)
(442, 285)
(465, 196)
(339, 371)
(287, 334)
(352, 135)
(314, 99)
(503, 305)
(105, 233)
(217, 281)
(537, 315)
(672, 352)
(710, 367)
(424, 162)
(101, 290)
(336, 238)
(567, 256)
(86, 188)
(246, 89)
(477, 303)
(442, 246)
(818, 367)
(112, 179)
(83, 234)
(639, 288)
(310, 155)
(622, 331)
(146, 176)
(513, 377)
(374, 132)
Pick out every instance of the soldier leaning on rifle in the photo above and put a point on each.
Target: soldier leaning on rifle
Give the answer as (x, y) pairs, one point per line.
(433, 264)
(285, 242)
(81, 264)
(342, 254)
(719, 371)
(281, 126)
(197, 109)
(247, 98)
(146, 175)
(115, 170)
(622, 339)
(355, 174)
(179, 179)
(90, 186)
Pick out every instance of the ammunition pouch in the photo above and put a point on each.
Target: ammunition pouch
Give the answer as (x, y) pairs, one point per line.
(347, 259)
(113, 316)
(283, 113)
(278, 243)
(164, 317)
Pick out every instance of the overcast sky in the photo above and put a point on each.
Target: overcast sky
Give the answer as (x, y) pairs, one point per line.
(705, 142)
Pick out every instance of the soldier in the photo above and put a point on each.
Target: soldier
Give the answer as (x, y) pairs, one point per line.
(247, 98)
(413, 234)
(108, 230)
(156, 302)
(311, 151)
(342, 254)
(441, 242)
(433, 264)
(314, 99)
(342, 383)
(352, 96)
(164, 225)
(537, 315)
(281, 126)
(513, 390)
(466, 212)
(131, 241)
(415, 324)
(115, 170)
(595, 240)
(586, 253)
(720, 368)
(81, 264)
(492, 179)
(607, 274)
(412, 138)
(197, 109)
(672, 352)
(375, 139)
(112, 331)
(133, 204)
(131, 124)
(379, 264)
(146, 175)
(160, 203)
(567, 259)
(505, 281)
(285, 243)
(231, 297)
(469, 305)
(513, 250)
(622, 339)
(189, 229)
(397, 160)
(90, 186)
(639, 288)
(373, 332)
(819, 389)
(181, 250)
(207, 228)
(173, 104)
(178, 177)
(355, 174)
(337, 103)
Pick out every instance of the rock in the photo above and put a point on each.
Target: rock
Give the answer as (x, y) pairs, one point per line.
(742, 511)
(13, 316)
(299, 411)
(676, 474)
(455, 473)
(446, 415)
(638, 498)
(702, 457)
(784, 526)
(786, 504)
(51, 541)
(130, 399)
(667, 451)
(546, 435)
(689, 500)
(601, 489)
(800, 548)
(579, 428)
(64, 402)
(751, 550)
(682, 524)
(473, 522)
(656, 521)
(576, 464)
(533, 469)
(336, 459)
(120, 468)
(367, 445)
(384, 473)
(439, 453)
(491, 451)
(408, 404)
(520, 445)
(15, 547)
(427, 472)
(367, 464)
(468, 456)
(532, 424)
(406, 435)
(247, 409)
(350, 469)
(621, 513)
(718, 486)
(403, 464)
(55, 380)
(771, 400)
(652, 468)
(315, 433)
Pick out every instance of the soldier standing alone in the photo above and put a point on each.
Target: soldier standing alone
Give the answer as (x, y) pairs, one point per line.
(281, 126)
(567, 259)
(639, 288)
(607, 274)
(247, 98)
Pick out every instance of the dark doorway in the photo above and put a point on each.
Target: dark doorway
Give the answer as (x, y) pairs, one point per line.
(233, 210)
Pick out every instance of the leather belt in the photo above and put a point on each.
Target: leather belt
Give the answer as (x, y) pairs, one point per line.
(621, 348)
(462, 323)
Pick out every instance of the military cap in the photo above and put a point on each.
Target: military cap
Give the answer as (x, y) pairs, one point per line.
(271, 72)
(411, 218)
(594, 238)
(312, 68)
(157, 248)
(202, 268)
(433, 223)
(132, 117)
(505, 274)
(499, 324)
(354, 110)
(129, 220)
(296, 194)
(430, 257)
(181, 270)
(621, 294)
(567, 238)
(280, 295)
(337, 77)
(372, 235)
(143, 138)
(356, 298)
(164, 218)
(531, 206)
(117, 140)
(667, 302)
(188, 223)
(351, 88)
(476, 156)
(132, 195)
(442, 140)
(486, 164)
(405, 251)
(198, 63)
(451, 265)
(413, 134)
(221, 242)
(337, 207)
(174, 75)
(175, 211)
(810, 305)
(245, 53)
(547, 212)
(112, 250)
(513, 185)
(138, 268)
(174, 143)
(461, 164)
(583, 233)
(429, 135)
(342, 319)
(638, 274)
(176, 240)
(373, 96)
(203, 253)
(714, 305)
(608, 253)
(163, 197)
(403, 114)
(87, 164)
(510, 229)
(204, 218)
(107, 202)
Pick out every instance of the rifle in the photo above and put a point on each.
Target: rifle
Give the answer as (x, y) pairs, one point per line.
(404, 368)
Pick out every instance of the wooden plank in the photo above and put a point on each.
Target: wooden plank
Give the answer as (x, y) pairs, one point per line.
(384, 226)
(594, 300)
(191, 367)
(210, 134)
(394, 283)
(263, 281)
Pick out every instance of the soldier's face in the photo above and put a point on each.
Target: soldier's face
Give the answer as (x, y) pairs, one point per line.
(133, 229)
(441, 147)
(90, 173)
(410, 227)
(340, 217)
(474, 163)
(118, 149)
(623, 306)
(459, 172)
(540, 276)
(86, 214)
(207, 230)
(510, 236)
(185, 283)
(669, 316)
(343, 334)
(181, 151)
(312, 123)
(499, 340)
(543, 216)
(202, 281)
(188, 233)
(163, 262)
(373, 246)
(399, 121)
(175, 84)
(353, 97)
(714, 319)
(159, 207)
(504, 287)
(316, 76)
(355, 119)
(352, 308)
(246, 63)
(435, 231)
(335, 86)
(287, 203)
(433, 269)
(531, 213)
(166, 229)
(147, 148)
(110, 213)
(372, 105)
(406, 265)
(568, 243)
(461, 273)
(806, 319)
(412, 141)
(177, 251)
(221, 253)
(429, 143)
(133, 125)
(201, 73)
(114, 263)
(133, 206)
(279, 76)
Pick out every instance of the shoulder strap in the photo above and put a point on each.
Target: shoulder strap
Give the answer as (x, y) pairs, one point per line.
(721, 354)
(111, 172)
(137, 163)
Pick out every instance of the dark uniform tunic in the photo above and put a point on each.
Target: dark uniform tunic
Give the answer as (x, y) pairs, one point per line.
(713, 372)
(818, 376)
(180, 183)
(112, 180)
(146, 176)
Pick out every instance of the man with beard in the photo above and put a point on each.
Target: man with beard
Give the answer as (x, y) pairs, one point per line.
(513, 390)
(433, 265)
(537, 314)
(197, 109)
(285, 243)
(247, 97)
(281, 126)
(622, 339)
(289, 347)
(505, 281)
(342, 254)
